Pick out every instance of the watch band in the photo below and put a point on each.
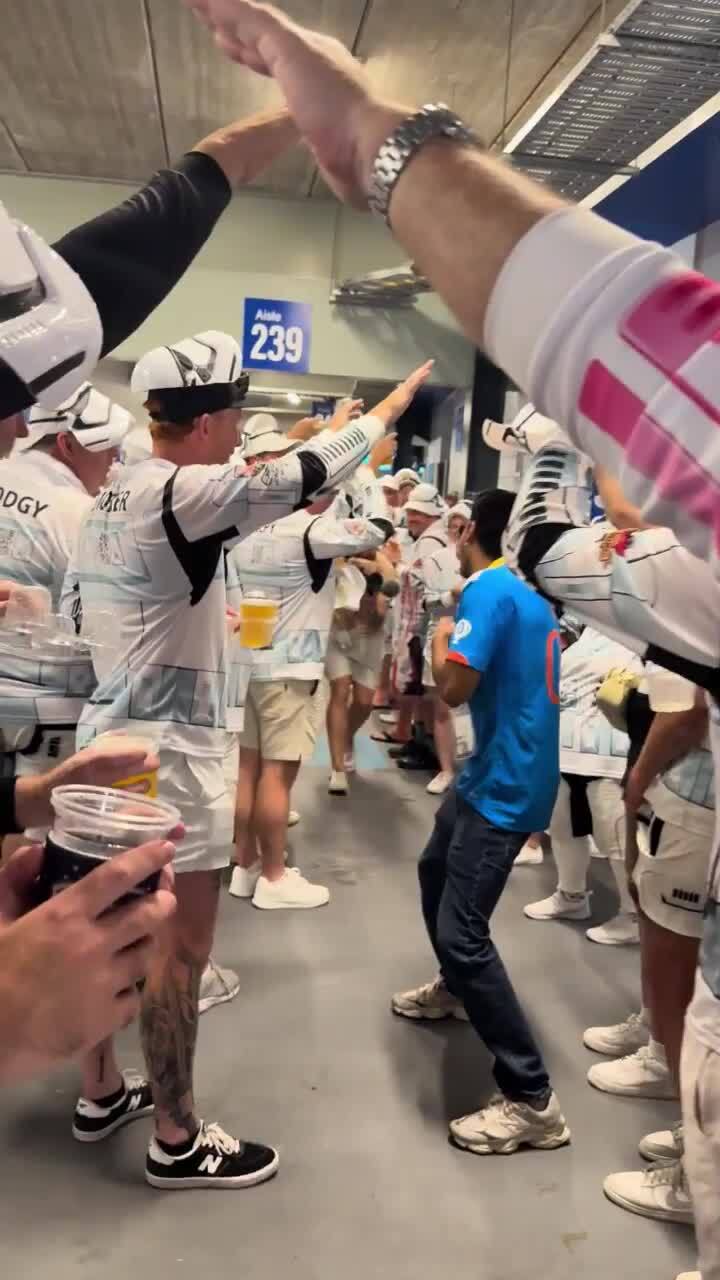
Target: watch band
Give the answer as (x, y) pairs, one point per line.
(435, 120)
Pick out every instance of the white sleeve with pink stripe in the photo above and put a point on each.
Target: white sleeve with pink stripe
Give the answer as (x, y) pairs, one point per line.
(617, 340)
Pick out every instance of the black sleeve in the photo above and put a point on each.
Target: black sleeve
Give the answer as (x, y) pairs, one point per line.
(8, 820)
(131, 256)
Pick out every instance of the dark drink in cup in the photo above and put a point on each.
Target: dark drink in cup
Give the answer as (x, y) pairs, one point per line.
(92, 824)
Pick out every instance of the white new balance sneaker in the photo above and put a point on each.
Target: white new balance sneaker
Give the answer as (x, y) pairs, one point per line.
(292, 892)
(559, 907)
(641, 1075)
(531, 855)
(665, 1147)
(431, 1002)
(503, 1126)
(217, 986)
(244, 880)
(659, 1192)
(338, 784)
(440, 784)
(619, 1040)
(622, 931)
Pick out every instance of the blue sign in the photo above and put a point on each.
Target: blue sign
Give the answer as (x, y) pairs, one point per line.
(276, 335)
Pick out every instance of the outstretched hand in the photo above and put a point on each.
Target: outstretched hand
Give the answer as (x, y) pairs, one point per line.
(326, 89)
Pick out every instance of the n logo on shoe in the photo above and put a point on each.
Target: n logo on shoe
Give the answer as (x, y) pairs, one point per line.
(134, 1102)
(210, 1164)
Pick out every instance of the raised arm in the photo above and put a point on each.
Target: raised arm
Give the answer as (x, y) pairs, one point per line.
(617, 339)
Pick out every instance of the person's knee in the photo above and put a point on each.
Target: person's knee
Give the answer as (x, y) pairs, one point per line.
(339, 691)
(462, 948)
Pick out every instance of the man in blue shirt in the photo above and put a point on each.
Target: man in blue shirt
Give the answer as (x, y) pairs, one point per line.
(502, 656)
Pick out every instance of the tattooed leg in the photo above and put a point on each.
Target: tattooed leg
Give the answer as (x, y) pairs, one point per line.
(100, 1072)
(169, 1019)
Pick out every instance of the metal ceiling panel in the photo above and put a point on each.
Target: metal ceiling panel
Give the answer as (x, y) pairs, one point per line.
(660, 63)
(200, 89)
(77, 91)
(542, 31)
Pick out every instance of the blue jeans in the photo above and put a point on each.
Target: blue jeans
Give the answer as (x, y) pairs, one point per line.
(463, 871)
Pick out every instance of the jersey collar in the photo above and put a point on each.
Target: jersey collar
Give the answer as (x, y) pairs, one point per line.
(55, 470)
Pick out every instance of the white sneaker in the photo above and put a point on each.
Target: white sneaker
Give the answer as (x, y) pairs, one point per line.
(559, 907)
(291, 892)
(440, 784)
(641, 1075)
(528, 433)
(431, 1002)
(503, 1126)
(338, 785)
(217, 986)
(622, 931)
(620, 1040)
(349, 761)
(293, 818)
(531, 855)
(660, 1192)
(244, 880)
(665, 1147)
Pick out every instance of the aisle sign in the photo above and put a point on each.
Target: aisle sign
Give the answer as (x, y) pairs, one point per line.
(276, 335)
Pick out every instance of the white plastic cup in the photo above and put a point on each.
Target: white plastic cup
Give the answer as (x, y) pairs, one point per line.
(257, 619)
(143, 783)
(93, 824)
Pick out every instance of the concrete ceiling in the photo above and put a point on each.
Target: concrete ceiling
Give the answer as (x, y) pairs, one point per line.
(114, 88)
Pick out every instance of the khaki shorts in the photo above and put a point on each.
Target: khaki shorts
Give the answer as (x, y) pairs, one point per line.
(196, 785)
(672, 878)
(358, 654)
(279, 719)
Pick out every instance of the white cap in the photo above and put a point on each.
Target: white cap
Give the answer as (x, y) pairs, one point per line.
(199, 361)
(390, 482)
(95, 421)
(460, 509)
(262, 435)
(407, 476)
(426, 499)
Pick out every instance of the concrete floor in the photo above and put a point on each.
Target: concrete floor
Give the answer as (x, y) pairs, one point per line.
(310, 1059)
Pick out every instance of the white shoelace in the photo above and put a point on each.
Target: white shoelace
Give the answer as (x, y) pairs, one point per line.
(632, 1023)
(216, 1139)
(133, 1080)
(668, 1175)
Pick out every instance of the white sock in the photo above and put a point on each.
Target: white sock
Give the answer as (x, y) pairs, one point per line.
(657, 1051)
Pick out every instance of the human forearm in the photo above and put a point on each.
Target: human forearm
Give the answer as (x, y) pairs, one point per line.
(672, 735)
(245, 148)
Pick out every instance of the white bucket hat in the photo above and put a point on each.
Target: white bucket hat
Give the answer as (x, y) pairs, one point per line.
(427, 501)
(262, 435)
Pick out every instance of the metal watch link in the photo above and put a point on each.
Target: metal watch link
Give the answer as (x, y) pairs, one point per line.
(435, 120)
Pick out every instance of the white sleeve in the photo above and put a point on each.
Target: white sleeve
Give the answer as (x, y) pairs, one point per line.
(227, 502)
(667, 691)
(330, 537)
(618, 345)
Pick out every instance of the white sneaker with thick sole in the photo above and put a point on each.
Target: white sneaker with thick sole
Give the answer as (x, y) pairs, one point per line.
(338, 784)
(244, 880)
(431, 1002)
(619, 1040)
(292, 892)
(660, 1192)
(665, 1147)
(440, 784)
(531, 855)
(641, 1075)
(559, 907)
(503, 1126)
(217, 986)
(293, 818)
(622, 931)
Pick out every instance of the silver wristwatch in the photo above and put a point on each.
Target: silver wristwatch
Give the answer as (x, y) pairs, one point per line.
(435, 120)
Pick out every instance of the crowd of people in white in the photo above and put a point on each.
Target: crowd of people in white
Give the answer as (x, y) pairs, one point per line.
(149, 560)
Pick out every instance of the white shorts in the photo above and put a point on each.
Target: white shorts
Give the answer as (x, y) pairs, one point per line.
(196, 785)
(672, 878)
(358, 654)
(48, 748)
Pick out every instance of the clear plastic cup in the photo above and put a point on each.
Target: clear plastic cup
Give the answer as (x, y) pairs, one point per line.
(144, 783)
(257, 619)
(93, 824)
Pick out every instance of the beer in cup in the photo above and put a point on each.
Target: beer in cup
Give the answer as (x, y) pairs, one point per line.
(257, 617)
(144, 783)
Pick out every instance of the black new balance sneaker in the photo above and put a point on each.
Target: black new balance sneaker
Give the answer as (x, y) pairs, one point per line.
(92, 1122)
(216, 1161)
